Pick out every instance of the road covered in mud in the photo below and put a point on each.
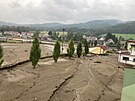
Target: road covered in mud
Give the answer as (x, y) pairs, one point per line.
(81, 79)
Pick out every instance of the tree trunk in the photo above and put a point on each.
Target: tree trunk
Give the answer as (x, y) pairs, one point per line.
(34, 67)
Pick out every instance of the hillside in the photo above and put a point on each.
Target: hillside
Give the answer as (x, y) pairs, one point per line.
(7, 23)
(128, 27)
(95, 24)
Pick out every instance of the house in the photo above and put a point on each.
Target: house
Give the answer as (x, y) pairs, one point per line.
(99, 50)
(128, 57)
(123, 44)
(1, 34)
(44, 37)
(26, 35)
(129, 44)
(3, 39)
(90, 38)
(13, 34)
(101, 41)
(110, 41)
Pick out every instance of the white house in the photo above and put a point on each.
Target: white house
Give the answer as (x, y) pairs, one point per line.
(90, 38)
(128, 57)
(101, 41)
(27, 35)
(110, 41)
(13, 34)
(3, 39)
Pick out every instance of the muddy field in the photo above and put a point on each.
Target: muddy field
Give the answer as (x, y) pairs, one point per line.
(15, 52)
(68, 80)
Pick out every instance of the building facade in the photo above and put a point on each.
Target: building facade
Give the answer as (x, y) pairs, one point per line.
(128, 57)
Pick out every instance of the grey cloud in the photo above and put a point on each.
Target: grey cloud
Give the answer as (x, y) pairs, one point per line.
(67, 11)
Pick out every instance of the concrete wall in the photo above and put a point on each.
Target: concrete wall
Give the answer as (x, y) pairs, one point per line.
(120, 59)
(129, 45)
(133, 50)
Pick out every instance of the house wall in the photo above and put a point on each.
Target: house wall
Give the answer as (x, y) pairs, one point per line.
(129, 45)
(3, 39)
(133, 50)
(131, 62)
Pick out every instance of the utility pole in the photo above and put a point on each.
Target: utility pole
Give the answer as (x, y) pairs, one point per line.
(63, 40)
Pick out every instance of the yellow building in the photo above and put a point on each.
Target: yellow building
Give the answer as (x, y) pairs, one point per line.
(99, 50)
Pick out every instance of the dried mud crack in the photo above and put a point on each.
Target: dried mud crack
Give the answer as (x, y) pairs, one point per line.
(37, 75)
(72, 80)
(60, 86)
(105, 86)
(23, 93)
(65, 81)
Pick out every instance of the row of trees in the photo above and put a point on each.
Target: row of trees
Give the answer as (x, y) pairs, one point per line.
(35, 52)
(70, 49)
(66, 37)
(15, 28)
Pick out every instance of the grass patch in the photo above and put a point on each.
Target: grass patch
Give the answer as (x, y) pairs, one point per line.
(125, 36)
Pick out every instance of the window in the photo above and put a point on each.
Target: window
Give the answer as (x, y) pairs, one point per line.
(133, 59)
(126, 58)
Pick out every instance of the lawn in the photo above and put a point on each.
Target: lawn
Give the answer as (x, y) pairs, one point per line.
(125, 36)
(128, 85)
(129, 75)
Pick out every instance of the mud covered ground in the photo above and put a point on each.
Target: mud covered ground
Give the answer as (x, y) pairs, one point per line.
(68, 80)
(16, 52)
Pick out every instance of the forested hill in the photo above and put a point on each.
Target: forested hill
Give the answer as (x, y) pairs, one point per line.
(126, 28)
(95, 26)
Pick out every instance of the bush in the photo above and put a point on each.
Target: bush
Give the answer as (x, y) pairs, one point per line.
(1, 55)
(79, 49)
(56, 51)
(70, 49)
(35, 52)
(110, 51)
(118, 45)
(86, 45)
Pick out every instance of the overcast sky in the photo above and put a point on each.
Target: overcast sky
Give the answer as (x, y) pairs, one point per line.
(65, 11)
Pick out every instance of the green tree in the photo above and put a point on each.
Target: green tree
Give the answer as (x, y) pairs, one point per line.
(95, 43)
(50, 33)
(121, 38)
(126, 44)
(86, 45)
(109, 36)
(115, 40)
(92, 43)
(70, 49)
(36, 34)
(35, 52)
(56, 51)
(118, 45)
(69, 35)
(18, 29)
(1, 55)
(79, 49)
(78, 37)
